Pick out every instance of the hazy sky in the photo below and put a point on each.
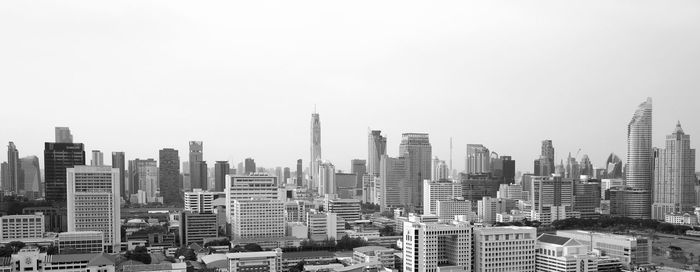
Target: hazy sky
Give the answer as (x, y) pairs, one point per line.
(244, 76)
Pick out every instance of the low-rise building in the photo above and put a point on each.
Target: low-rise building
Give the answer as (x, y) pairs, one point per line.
(369, 254)
(629, 249)
(30, 259)
(681, 218)
(255, 261)
(324, 226)
(504, 248)
(195, 227)
(348, 209)
(81, 242)
(13, 227)
(563, 254)
(161, 267)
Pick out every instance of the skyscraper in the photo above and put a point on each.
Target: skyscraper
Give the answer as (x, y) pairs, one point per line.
(57, 158)
(93, 202)
(315, 149)
(377, 148)
(417, 149)
(4, 175)
(169, 177)
(586, 167)
(249, 166)
(478, 159)
(119, 162)
(221, 169)
(13, 168)
(674, 176)
(508, 169)
(144, 178)
(286, 175)
(63, 135)
(359, 168)
(30, 177)
(640, 160)
(97, 158)
(326, 178)
(196, 156)
(613, 167)
(300, 173)
(394, 190)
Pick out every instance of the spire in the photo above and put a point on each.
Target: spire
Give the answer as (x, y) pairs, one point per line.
(678, 129)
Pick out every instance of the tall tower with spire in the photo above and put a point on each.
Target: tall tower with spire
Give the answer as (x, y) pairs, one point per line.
(315, 148)
(674, 175)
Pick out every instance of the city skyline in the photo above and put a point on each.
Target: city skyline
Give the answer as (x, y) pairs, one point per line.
(580, 95)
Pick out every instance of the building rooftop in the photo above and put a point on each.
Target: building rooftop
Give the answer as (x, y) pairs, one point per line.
(154, 267)
(92, 259)
(370, 248)
(307, 254)
(553, 239)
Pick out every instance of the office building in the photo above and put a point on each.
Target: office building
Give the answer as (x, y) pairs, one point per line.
(316, 157)
(143, 178)
(221, 169)
(258, 186)
(197, 176)
(429, 246)
(478, 159)
(512, 191)
(544, 166)
(286, 175)
(325, 225)
(440, 170)
(169, 177)
(586, 167)
(325, 177)
(504, 249)
(16, 227)
(97, 158)
(198, 201)
(434, 191)
(586, 198)
(630, 250)
(63, 135)
(613, 167)
(270, 261)
(563, 254)
(119, 162)
(81, 242)
(300, 173)
(508, 169)
(5, 176)
(249, 166)
(12, 183)
(346, 186)
(416, 148)
(394, 191)
(30, 177)
(197, 227)
(348, 209)
(57, 158)
(551, 199)
(368, 254)
(674, 176)
(295, 211)
(477, 186)
(446, 210)
(377, 148)
(359, 168)
(30, 259)
(640, 161)
(257, 218)
(607, 184)
(93, 202)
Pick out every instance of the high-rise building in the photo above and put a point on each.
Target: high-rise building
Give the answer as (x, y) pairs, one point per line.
(143, 175)
(30, 177)
(257, 218)
(551, 198)
(13, 168)
(300, 173)
(359, 168)
(377, 148)
(640, 160)
(286, 175)
(348, 209)
(198, 201)
(587, 198)
(441, 171)
(316, 158)
(478, 159)
(346, 186)
(57, 158)
(416, 148)
(586, 167)
(394, 190)
(489, 207)
(504, 249)
(97, 158)
(221, 169)
(249, 166)
(544, 166)
(446, 210)
(572, 168)
(197, 227)
(508, 169)
(429, 245)
(4, 175)
(326, 178)
(325, 226)
(119, 162)
(439, 190)
(93, 202)
(169, 177)
(613, 167)
(196, 157)
(259, 186)
(674, 176)
(63, 135)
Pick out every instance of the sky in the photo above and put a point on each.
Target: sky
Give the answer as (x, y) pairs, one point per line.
(245, 76)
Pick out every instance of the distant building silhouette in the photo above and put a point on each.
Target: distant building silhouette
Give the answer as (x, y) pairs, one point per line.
(30, 177)
(316, 157)
(12, 169)
(377, 149)
(221, 169)
(478, 159)
(119, 162)
(249, 166)
(196, 157)
(613, 167)
(97, 158)
(169, 177)
(300, 173)
(417, 149)
(63, 135)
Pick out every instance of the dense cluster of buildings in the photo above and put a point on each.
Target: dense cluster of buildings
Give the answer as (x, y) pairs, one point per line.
(443, 220)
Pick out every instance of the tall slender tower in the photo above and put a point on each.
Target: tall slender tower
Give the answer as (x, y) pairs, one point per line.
(416, 148)
(674, 176)
(640, 162)
(315, 149)
(377, 148)
(13, 168)
(300, 173)
(196, 158)
(169, 177)
(119, 162)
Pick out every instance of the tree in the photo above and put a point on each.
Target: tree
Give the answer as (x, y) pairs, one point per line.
(139, 254)
(16, 246)
(387, 214)
(220, 242)
(6, 251)
(253, 247)
(387, 231)
(186, 252)
(299, 267)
